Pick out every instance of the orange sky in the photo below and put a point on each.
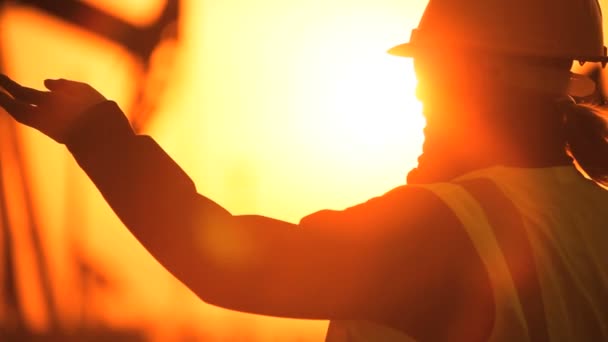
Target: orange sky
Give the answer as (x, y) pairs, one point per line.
(278, 108)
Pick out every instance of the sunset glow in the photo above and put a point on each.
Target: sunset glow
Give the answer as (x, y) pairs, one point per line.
(274, 108)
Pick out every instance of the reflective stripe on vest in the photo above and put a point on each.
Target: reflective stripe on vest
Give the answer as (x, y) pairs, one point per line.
(510, 232)
(499, 236)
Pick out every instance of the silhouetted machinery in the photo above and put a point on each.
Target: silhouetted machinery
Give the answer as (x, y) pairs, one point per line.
(141, 43)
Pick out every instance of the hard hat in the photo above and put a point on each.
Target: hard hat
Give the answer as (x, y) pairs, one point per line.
(569, 29)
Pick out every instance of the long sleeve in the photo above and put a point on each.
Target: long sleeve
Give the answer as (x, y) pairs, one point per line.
(370, 261)
(148, 191)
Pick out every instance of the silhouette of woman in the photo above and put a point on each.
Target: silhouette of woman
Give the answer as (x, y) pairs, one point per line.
(499, 234)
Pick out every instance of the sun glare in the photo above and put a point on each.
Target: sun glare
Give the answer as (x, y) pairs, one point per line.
(307, 100)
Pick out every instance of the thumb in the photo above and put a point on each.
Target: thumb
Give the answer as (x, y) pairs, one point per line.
(79, 89)
(59, 84)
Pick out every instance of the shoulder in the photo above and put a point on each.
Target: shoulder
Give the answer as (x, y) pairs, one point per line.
(404, 206)
(418, 246)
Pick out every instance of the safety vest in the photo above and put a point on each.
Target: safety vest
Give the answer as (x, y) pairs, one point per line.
(561, 227)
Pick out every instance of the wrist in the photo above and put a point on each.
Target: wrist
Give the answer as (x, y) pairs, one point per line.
(97, 125)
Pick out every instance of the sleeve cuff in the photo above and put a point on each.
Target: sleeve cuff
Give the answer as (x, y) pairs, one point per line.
(103, 124)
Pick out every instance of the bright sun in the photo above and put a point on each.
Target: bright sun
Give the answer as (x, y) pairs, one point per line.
(300, 111)
(330, 118)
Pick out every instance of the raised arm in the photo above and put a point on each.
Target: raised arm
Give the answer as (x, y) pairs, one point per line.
(401, 258)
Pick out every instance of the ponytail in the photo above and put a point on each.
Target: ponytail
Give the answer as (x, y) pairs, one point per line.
(586, 130)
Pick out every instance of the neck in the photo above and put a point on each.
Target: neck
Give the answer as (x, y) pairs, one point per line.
(456, 144)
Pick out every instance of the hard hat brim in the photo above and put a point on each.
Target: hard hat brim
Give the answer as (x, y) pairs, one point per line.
(579, 85)
(409, 50)
(402, 50)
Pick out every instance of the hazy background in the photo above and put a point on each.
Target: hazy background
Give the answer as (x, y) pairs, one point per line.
(273, 107)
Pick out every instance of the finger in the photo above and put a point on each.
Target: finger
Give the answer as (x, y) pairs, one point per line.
(20, 92)
(4, 91)
(21, 111)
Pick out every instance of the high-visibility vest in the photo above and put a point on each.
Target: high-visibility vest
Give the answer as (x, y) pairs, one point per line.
(562, 222)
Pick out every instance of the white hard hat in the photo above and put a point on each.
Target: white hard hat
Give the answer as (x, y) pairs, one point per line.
(569, 29)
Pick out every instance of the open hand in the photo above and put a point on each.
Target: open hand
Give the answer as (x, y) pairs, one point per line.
(51, 112)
